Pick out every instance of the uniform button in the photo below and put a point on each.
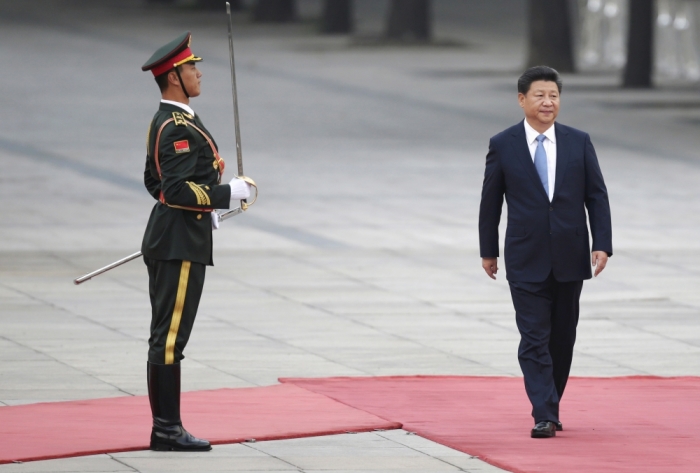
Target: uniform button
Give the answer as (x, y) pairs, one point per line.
(551, 208)
(550, 232)
(199, 216)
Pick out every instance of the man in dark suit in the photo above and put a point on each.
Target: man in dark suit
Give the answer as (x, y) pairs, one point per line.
(550, 177)
(183, 173)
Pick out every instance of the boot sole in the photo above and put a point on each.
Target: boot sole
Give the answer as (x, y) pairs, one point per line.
(159, 447)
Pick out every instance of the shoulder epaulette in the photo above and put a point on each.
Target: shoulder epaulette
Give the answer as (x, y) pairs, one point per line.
(179, 119)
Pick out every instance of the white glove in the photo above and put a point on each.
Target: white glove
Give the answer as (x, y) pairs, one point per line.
(215, 220)
(239, 189)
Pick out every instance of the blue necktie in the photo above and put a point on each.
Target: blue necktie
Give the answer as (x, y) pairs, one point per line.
(541, 163)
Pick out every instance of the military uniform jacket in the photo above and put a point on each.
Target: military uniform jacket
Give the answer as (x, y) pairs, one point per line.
(185, 181)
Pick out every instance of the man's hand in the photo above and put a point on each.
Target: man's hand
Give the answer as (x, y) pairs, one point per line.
(490, 265)
(239, 189)
(599, 259)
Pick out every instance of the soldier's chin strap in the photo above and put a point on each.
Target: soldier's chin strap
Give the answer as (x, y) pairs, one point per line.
(182, 84)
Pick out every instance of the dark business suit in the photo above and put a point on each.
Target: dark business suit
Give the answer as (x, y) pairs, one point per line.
(547, 249)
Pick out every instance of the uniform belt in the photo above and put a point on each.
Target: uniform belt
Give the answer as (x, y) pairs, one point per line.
(183, 207)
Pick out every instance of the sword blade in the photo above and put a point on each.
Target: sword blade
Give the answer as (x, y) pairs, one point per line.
(237, 123)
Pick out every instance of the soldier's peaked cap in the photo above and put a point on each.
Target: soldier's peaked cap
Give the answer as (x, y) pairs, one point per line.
(173, 54)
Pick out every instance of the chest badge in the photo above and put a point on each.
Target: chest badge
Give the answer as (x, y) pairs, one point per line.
(182, 146)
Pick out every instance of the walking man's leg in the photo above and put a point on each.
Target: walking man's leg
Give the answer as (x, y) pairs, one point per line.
(533, 304)
(565, 313)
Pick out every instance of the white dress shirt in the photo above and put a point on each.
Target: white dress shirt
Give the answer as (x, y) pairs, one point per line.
(550, 147)
(183, 106)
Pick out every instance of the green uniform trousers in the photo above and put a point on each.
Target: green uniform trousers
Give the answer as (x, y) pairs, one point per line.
(175, 287)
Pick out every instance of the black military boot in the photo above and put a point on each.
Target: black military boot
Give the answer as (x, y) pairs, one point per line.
(164, 393)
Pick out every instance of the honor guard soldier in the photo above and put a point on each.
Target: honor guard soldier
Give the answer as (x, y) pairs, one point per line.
(183, 173)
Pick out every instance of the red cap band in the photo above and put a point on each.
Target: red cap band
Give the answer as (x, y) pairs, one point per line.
(170, 63)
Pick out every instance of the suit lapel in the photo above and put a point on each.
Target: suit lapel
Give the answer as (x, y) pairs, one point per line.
(563, 151)
(522, 155)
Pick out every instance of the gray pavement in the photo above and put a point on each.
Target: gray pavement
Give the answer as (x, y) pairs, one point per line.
(361, 257)
(375, 452)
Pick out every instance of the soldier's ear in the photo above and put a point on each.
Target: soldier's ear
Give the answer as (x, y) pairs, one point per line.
(173, 79)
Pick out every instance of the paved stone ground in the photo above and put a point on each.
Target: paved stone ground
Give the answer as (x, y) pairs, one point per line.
(361, 257)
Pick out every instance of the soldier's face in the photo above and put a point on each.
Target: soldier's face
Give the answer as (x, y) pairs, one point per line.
(541, 103)
(191, 77)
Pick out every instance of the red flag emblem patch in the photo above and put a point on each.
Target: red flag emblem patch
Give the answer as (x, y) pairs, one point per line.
(182, 146)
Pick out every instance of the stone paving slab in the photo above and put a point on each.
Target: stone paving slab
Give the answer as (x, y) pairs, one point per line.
(372, 452)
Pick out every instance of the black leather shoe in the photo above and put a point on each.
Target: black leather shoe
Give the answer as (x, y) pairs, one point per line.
(559, 426)
(168, 434)
(543, 430)
(175, 438)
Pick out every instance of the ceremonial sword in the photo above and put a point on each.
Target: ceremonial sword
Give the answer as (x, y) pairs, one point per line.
(239, 156)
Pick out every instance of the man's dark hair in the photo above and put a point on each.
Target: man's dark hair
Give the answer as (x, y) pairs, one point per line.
(162, 80)
(536, 73)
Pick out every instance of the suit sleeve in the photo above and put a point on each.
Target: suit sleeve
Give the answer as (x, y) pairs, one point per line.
(597, 202)
(491, 204)
(178, 160)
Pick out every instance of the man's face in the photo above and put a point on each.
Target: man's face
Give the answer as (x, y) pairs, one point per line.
(540, 104)
(191, 78)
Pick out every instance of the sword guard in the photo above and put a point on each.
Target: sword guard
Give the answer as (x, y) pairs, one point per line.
(244, 203)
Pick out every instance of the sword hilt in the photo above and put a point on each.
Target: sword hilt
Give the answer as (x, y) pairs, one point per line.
(244, 202)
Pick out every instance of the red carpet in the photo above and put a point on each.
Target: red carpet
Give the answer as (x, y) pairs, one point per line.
(67, 429)
(635, 424)
(630, 424)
